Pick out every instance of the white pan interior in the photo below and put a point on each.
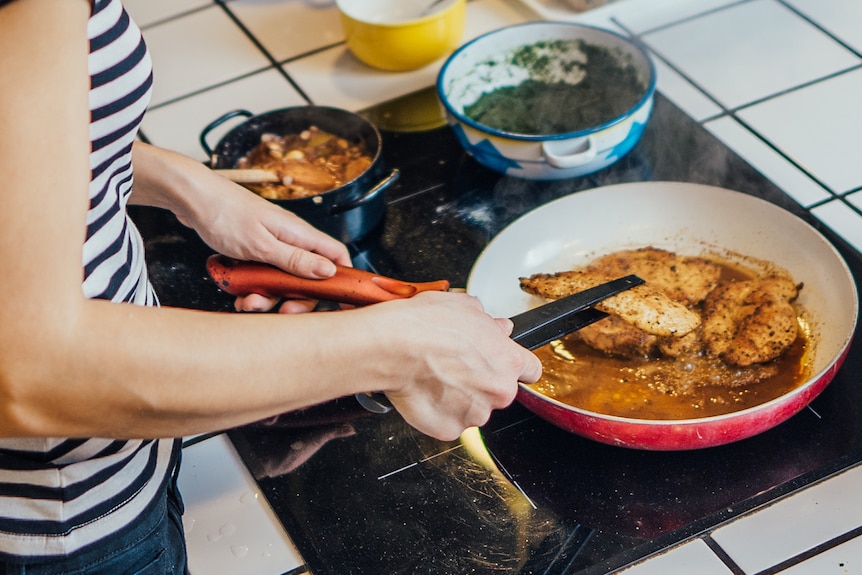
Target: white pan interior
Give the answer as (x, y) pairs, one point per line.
(690, 219)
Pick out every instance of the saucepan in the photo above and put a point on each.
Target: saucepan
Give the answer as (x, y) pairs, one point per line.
(349, 212)
(688, 219)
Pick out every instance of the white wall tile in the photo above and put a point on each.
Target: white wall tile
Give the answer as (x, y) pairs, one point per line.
(640, 17)
(819, 126)
(749, 51)
(199, 51)
(682, 93)
(855, 199)
(843, 221)
(794, 524)
(230, 528)
(178, 125)
(843, 19)
(691, 558)
(146, 12)
(287, 28)
(767, 161)
(845, 559)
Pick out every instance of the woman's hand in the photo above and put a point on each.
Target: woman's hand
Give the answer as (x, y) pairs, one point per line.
(235, 222)
(450, 363)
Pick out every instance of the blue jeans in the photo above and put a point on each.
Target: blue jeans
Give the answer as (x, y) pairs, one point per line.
(155, 545)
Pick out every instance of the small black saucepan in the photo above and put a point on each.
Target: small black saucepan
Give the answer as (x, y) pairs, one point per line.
(347, 213)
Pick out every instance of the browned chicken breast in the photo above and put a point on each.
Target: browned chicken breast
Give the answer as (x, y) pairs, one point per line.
(643, 306)
(659, 308)
(685, 279)
(751, 321)
(680, 312)
(616, 336)
(688, 344)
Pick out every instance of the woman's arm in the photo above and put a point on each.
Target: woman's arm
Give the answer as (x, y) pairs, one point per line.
(70, 366)
(232, 220)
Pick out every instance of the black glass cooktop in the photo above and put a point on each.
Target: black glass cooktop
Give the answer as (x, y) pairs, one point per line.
(360, 493)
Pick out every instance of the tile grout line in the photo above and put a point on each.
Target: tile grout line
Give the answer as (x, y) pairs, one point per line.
(732, 113)
(722, 555)
(802, 15)
(840, 197)
(812, 552)
(689, 18)
(224, 6)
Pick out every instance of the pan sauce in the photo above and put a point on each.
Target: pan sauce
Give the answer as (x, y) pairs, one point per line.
(667, 388)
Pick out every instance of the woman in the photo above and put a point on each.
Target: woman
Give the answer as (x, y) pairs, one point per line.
(90, 365)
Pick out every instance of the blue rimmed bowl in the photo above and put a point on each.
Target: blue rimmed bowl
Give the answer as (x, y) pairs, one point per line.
(578, 134)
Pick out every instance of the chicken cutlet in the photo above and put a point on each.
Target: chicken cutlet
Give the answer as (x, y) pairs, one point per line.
(659, 308)
(743, 322)
(752, 321)
(685, 279)
(745, 349)
(643, 306)
(616, 336)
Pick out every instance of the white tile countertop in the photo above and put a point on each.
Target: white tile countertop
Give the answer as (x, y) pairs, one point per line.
(778, 81)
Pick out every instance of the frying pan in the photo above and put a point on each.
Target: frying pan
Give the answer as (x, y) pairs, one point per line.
(689, 219)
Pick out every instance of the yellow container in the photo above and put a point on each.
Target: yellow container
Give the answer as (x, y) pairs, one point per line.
(399, 35)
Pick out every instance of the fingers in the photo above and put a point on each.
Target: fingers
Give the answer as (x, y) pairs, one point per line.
(302, 250)
(259, 303)
(254, 302)
(506, 325)
(532, 371)
(297, 306)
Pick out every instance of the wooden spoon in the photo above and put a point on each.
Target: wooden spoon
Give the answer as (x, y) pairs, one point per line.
(249, 176)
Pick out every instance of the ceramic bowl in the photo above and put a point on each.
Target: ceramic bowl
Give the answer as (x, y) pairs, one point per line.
(399, 35)
(549, 53)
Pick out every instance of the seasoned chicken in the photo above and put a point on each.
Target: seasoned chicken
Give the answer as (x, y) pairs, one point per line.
(680, 346)
(643, 306)
(685, 279)
(616, 336)
(679, 312)
(673, 283)
(751, 321)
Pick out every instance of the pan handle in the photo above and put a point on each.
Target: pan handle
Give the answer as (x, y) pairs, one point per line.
(215, 124)
(372, 193)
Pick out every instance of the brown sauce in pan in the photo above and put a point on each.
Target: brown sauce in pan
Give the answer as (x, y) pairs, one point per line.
(659, 388)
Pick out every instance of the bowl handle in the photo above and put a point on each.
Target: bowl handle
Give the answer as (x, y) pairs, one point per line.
(569, 153)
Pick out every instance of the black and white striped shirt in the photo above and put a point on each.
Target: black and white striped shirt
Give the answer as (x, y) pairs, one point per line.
(58, 495)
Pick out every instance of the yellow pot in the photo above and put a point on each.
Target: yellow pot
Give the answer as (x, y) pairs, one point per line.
(400, 35)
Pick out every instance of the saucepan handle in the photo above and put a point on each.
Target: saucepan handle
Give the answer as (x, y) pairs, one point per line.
(215, 124)
(372, 193)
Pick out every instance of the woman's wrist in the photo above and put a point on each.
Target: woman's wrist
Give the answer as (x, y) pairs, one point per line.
(169, 180)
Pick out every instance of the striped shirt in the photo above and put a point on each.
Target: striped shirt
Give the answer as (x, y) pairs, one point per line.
(58, 495)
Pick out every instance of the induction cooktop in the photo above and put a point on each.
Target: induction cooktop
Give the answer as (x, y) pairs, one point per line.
(363, 493)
